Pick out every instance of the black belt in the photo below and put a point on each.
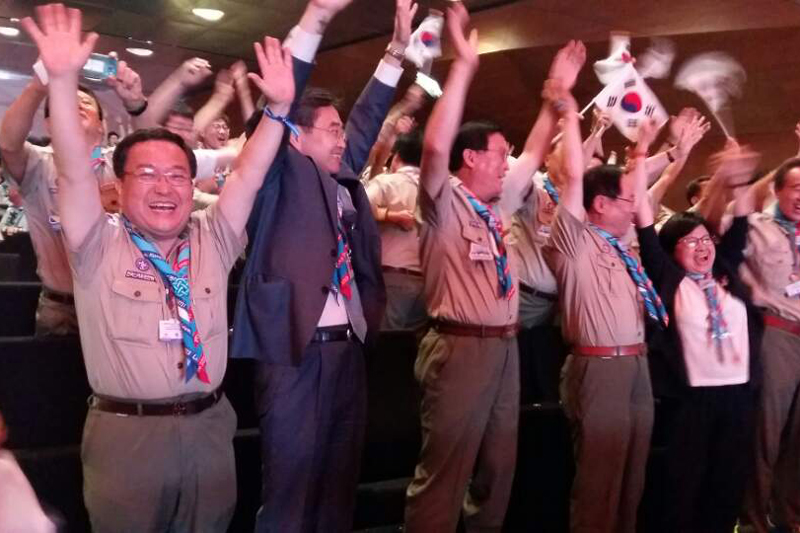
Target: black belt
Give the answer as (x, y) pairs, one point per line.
(406, 271)
(536, 292)
(475, 330)
(58, 297)
(192, 407)
(333, 334)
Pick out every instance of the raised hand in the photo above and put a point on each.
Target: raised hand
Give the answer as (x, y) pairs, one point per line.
(403, 15)
(223, 84)
(404, 125)
(568, 63)
(127, 85)
(193, 71)
(735, 164)
(556, 94)
(694, 130)
(648, 130)
(466, 47)
(676, 124)
(277, 78)
(58, 38)
(600, 122)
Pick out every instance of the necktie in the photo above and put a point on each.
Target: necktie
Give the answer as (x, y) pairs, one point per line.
(551, 189)
(652, 301)
(176, 278)
(717, 325)
(343, 270)
(496, 229)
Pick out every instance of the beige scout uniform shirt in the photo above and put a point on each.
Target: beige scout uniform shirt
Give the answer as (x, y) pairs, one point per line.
(530, 231)
(461, 283)
(397, 192)
(38, 190)
(120, 299)
(772, 265)
(600, 303)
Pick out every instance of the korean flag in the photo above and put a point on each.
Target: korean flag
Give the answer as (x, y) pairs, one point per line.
(629, 100)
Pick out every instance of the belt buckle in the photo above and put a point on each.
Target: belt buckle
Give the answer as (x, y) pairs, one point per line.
(349, 334)
(179, 409)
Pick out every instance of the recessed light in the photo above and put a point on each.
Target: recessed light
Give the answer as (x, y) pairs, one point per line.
(141, 52)
(9, 31)
(13, 19)
(208, 14)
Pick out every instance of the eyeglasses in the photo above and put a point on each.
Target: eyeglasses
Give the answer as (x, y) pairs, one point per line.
(335, 131)
(629, 200)
(150, 175)
(692, 242)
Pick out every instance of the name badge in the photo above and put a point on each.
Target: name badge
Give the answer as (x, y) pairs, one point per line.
(793, 289)
(544, 231)
(169, 330)
(478, 252)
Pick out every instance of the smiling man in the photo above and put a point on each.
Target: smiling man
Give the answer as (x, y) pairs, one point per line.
(150, 287)
(774, 275)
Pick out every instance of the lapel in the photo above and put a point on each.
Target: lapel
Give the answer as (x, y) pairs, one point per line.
(329, 188)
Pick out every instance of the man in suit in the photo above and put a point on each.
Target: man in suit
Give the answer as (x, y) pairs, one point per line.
(312, 292)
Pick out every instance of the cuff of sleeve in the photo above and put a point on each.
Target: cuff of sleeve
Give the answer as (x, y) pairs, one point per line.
(302, 44)
(388, 74)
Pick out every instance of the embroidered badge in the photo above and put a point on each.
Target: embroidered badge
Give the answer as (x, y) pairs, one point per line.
(142, 264)
(140, 276)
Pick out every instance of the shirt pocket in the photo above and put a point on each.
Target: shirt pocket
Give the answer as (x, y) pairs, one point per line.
(776, 269)
(478, 242)
(610, 268)
(134, 312)
(210, 307)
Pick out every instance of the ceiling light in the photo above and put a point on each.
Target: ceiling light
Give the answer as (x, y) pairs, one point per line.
(141, 52)
(9, 31)
(208, 14)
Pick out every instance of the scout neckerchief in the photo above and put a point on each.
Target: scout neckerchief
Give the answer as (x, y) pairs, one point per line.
(551, 189)
(652, 301)
(496, 229)
(97, 161)
(176, 278)
(716, 321)
(791, 227)
(343, 270)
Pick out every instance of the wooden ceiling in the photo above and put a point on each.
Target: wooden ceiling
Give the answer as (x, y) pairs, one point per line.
(518, 40)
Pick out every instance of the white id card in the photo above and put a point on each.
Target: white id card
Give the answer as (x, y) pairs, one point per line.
(169, 330)
(793, 289)
(478, 252)
(544, 231)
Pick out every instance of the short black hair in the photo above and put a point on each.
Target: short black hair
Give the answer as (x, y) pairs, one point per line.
(473, 135)
(408, 147)
(181, 109)
(694, 187)
(153, 134)
(312, 99)
(110, 133)
(602, 180)
(679, 226)
(83, 89)
(786, 166)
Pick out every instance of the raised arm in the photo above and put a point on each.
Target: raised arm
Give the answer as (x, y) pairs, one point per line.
(190, 74)
(16, 126)
(239, 72)
(690, 135)
(223, 94)
(637, 172)
(594, 142)
(128, 87)
(445, 119)
(276, 83)
(63, 53)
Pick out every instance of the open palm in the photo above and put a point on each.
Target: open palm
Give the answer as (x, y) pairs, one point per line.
(58, 38)
(277, 78)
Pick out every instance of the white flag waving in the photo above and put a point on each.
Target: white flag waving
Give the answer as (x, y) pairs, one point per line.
(628, 100)
(426, 41)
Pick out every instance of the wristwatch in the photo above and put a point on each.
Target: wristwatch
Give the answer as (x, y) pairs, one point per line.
(396, 53)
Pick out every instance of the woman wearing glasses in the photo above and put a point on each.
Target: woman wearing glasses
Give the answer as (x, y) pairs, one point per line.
(710, 351)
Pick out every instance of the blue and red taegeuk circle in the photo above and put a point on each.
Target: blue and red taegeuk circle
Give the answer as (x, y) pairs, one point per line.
(631, 102)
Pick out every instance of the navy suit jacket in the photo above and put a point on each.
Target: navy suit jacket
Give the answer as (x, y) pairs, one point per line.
(292, 233)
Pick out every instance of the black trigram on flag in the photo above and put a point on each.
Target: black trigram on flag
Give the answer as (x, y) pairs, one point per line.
(649, 110)
(632, 123)
(630, 83)
(612, 101)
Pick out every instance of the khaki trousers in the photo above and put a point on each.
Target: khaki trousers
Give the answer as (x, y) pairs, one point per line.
(609, 404)
(777, 444)
(469, 412)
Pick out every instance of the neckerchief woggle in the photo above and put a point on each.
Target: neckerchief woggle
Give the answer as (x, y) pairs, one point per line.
(176, 278)
(496, 229)
(652, 301)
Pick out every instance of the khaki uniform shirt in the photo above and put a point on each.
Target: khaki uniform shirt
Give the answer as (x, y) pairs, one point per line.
(772, 264)
(600, 303)
(38, 190)
(530, 230)
(461, 283)
(120, 299)
(397, 192)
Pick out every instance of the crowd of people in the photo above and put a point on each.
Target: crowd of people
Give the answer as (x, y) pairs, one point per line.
(375, 222)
